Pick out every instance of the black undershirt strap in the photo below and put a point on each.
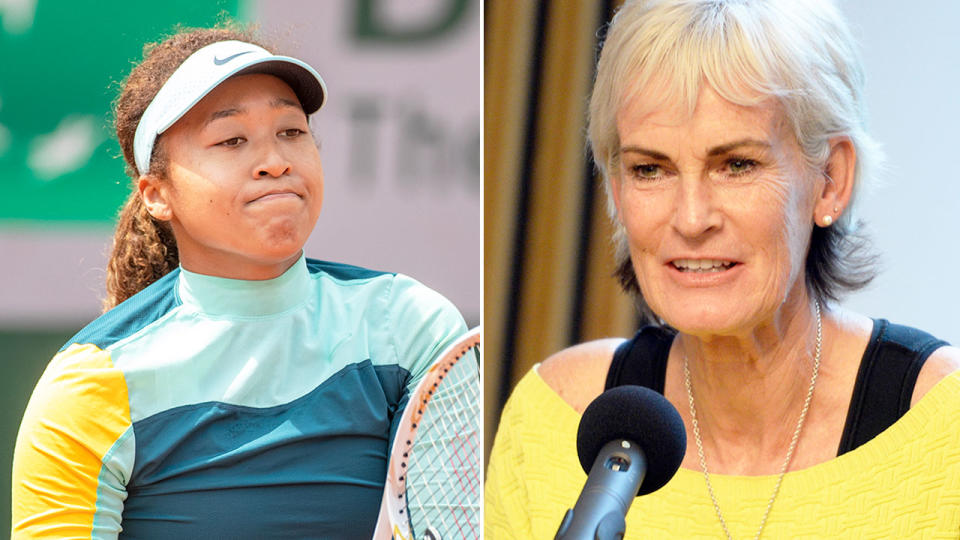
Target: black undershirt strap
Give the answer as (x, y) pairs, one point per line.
(888, 372)
(642, 360)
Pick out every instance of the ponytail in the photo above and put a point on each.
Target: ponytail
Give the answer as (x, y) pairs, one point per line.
(144, 250)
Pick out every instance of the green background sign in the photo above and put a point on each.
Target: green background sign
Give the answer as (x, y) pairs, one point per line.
(62, 65)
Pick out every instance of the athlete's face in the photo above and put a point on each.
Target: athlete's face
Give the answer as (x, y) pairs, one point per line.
(244, 184)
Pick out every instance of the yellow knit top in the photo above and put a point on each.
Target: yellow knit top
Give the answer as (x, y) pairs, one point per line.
(905, 483)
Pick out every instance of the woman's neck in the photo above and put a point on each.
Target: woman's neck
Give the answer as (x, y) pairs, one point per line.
(749, 388)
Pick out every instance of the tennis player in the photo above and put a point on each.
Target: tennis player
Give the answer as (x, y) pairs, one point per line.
(235, 388)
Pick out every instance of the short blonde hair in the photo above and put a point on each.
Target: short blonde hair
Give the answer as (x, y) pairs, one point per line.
(800, 53)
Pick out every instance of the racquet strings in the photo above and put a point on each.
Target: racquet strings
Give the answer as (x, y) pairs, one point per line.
(443, 479)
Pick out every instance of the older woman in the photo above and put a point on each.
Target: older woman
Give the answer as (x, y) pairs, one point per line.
(730, 135)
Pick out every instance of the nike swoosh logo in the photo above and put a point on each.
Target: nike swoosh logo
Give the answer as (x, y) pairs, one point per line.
(222, 61)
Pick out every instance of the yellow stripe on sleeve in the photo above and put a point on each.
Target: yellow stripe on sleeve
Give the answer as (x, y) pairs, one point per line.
(76, 414)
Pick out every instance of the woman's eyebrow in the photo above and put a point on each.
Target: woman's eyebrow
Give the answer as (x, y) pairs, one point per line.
(284, 102)
(725, 148)
(653, 154)
(223, 113)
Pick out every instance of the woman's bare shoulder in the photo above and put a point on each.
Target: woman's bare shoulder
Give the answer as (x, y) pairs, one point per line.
(578, 373)
(942, 363)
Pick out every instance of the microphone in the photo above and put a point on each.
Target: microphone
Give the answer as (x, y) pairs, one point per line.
(630, 442)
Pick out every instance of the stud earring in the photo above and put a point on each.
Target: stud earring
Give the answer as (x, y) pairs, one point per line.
(827, 220)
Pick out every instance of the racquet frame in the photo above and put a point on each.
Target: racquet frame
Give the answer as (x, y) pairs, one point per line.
(393, 521)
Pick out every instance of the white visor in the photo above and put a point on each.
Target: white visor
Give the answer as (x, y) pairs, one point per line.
(203, 71)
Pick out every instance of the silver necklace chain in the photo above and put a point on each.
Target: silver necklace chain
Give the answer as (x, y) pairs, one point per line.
(793, 441)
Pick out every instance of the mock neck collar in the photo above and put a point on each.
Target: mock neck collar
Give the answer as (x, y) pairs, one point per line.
(237, 297)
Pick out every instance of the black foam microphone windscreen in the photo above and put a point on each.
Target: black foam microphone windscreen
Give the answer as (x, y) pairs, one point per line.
(640, 415)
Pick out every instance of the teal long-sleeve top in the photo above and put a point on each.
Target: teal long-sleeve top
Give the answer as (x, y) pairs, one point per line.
(206, 407)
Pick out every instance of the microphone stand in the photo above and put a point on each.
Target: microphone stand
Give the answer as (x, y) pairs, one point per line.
(612, 484)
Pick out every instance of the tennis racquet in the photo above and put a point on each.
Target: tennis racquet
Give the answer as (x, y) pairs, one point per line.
(433, 486)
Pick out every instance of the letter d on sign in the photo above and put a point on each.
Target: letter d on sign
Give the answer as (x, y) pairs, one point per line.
(371, 25)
